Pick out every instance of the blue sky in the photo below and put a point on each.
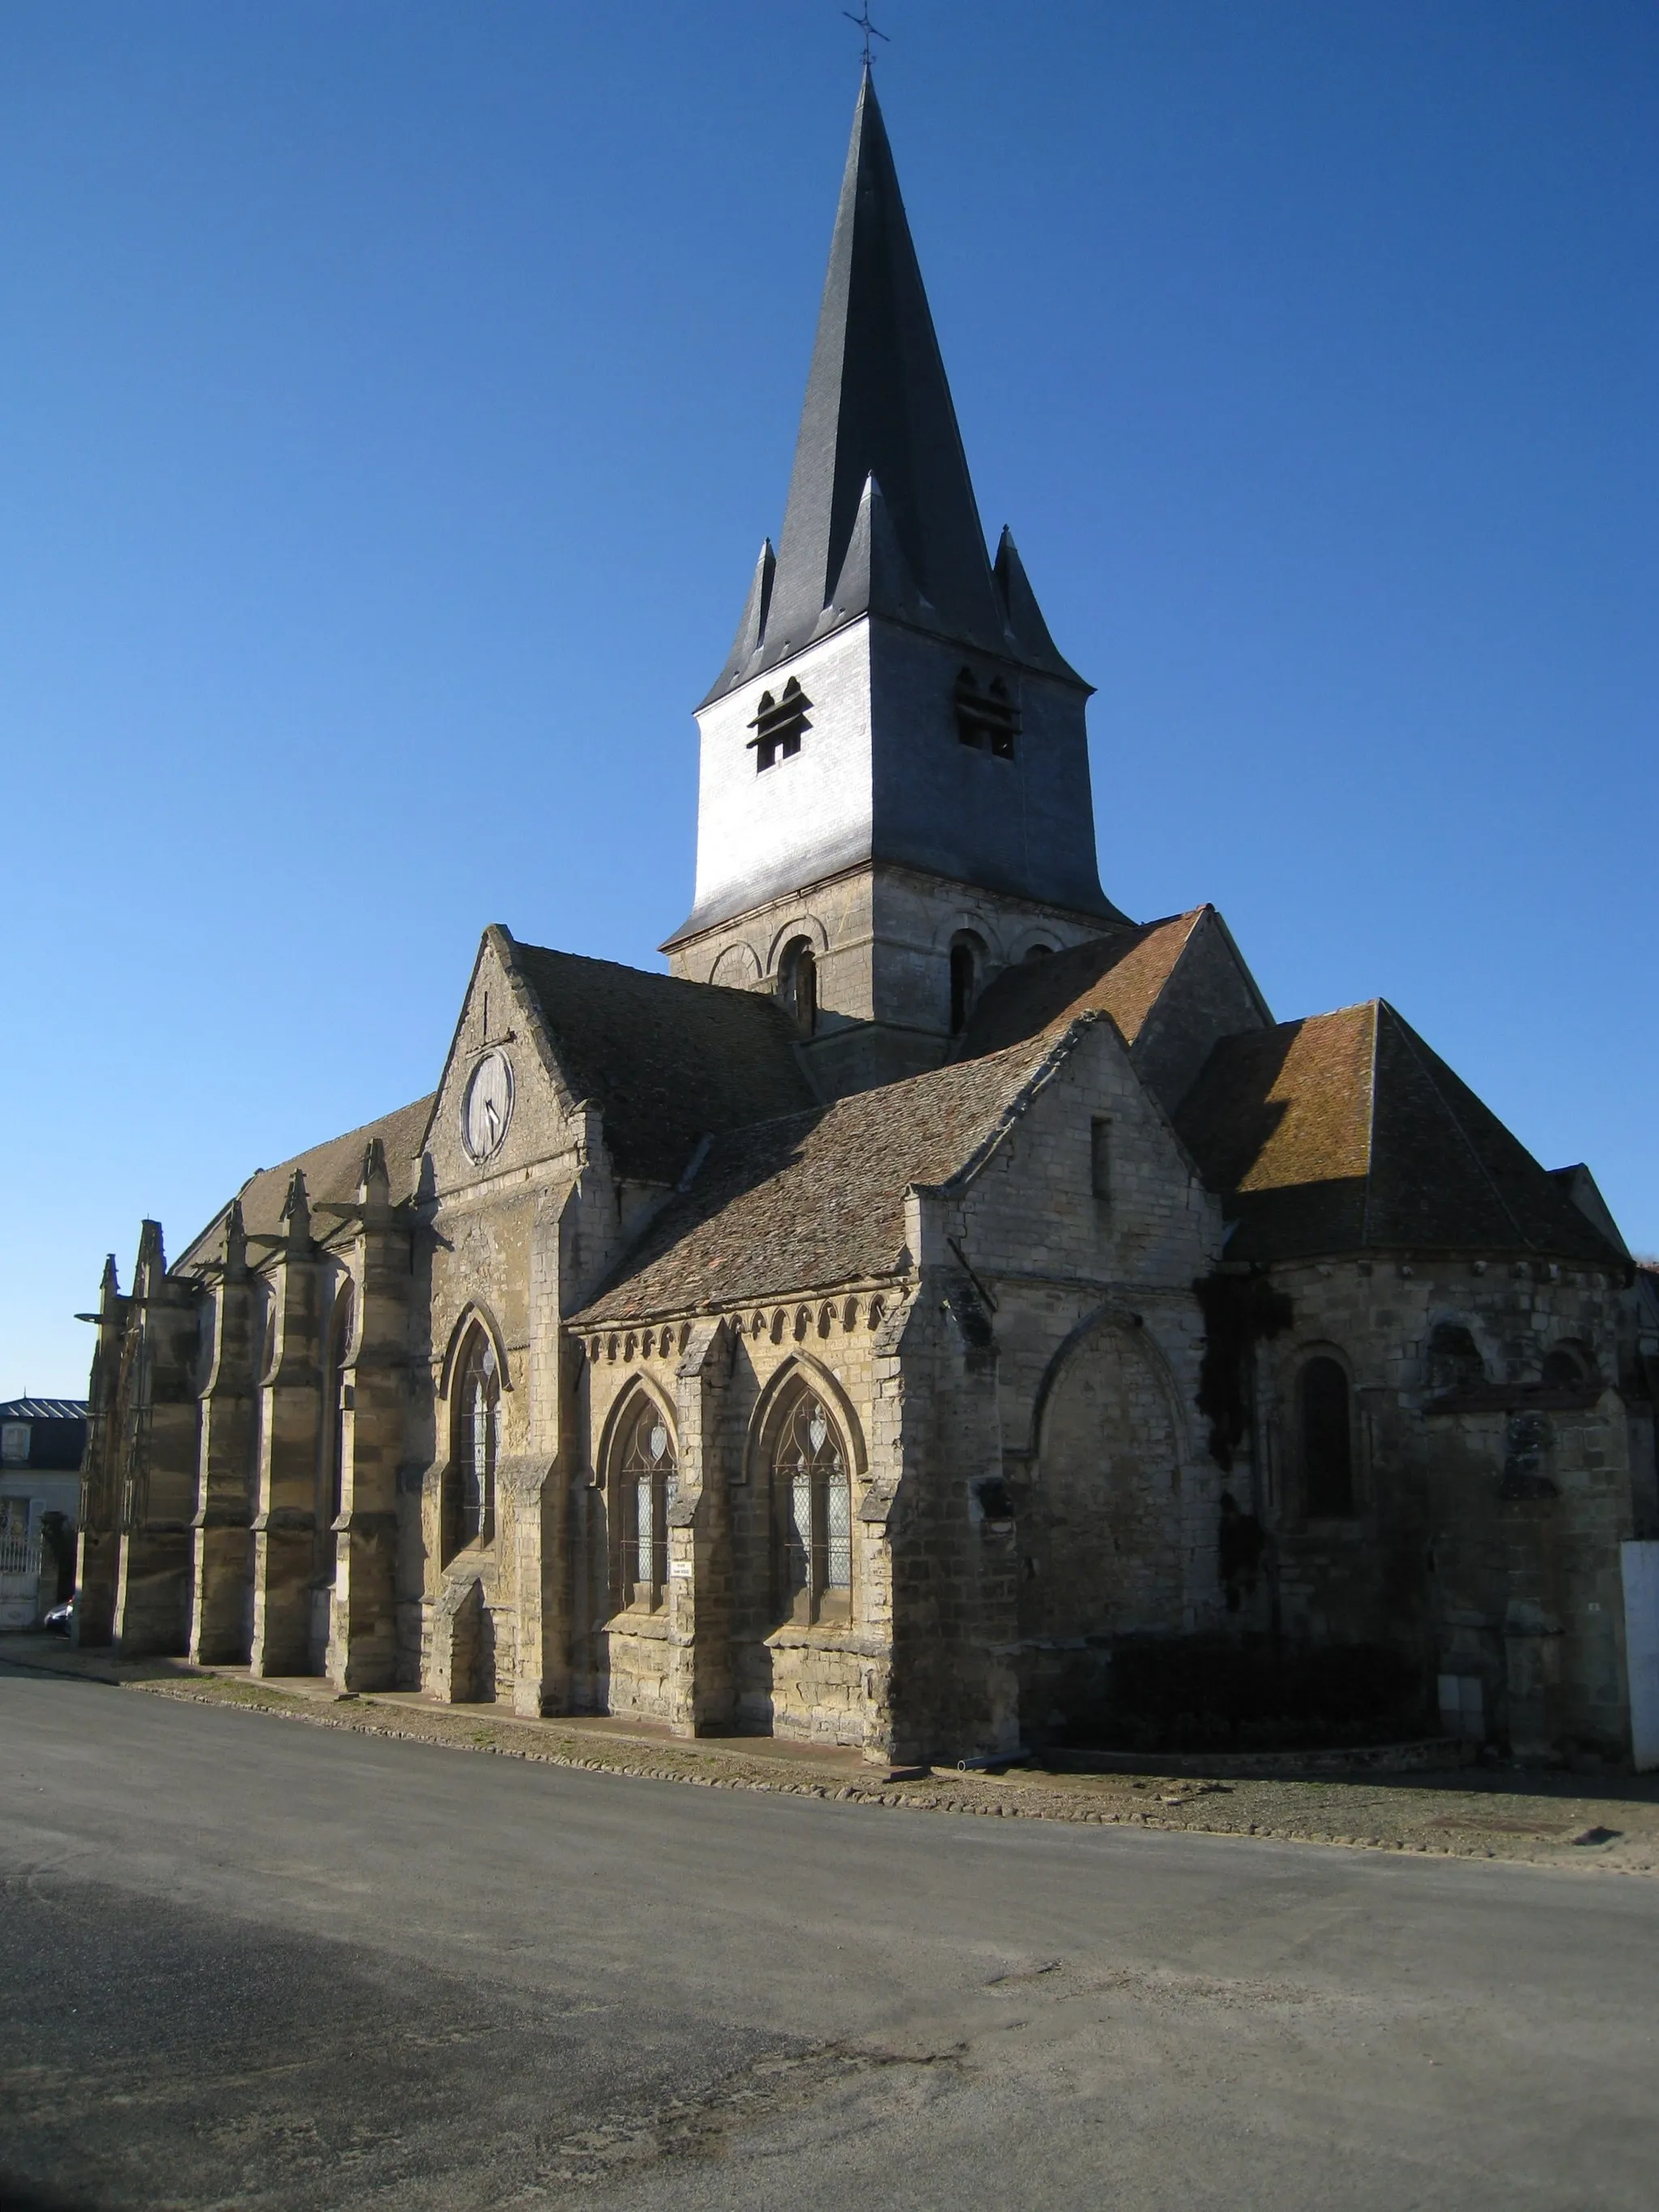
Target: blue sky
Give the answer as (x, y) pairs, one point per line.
(395, 393)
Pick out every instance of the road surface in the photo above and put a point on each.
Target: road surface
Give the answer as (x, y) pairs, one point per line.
(253, 1963)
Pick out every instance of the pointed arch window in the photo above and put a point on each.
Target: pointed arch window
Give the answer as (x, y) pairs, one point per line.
(474, 1444)
(813, 1500)
(645, 1489)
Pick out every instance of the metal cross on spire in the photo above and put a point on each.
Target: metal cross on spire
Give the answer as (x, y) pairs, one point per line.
(868, 28)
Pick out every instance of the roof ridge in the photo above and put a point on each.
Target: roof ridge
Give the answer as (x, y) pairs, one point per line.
(520, 946)
(909, 1084)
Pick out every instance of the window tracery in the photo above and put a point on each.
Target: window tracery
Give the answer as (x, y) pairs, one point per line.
(475, 1443)
(813, 1498)
(647, 1485)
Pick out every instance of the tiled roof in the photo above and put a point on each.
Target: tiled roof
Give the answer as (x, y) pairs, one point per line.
(818, 1198)
(1344, 1133)
(332, 1169)
(1121, 974)
(667, 1062)
(44, 1409)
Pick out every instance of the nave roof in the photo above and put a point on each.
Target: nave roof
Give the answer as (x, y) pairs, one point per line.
(816, 1200)
(667, 1062)
(332, 1169)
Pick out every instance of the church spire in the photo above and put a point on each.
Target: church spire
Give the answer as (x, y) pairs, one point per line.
(878, 405)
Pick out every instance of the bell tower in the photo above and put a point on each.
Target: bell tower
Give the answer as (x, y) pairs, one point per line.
(894, 798)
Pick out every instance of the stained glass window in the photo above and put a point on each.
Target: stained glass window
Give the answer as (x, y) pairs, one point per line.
(811, 1476)
(645, 1542)
(838, 1537)
(648, 1471)
(476, 1442)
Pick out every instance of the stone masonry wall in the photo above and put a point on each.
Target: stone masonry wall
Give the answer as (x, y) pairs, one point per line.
(1488, 1514)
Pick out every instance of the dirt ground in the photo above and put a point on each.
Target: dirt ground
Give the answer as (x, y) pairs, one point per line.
(1609, 1822)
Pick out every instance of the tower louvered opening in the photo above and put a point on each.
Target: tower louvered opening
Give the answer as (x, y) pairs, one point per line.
(987, 716)
(778, 726)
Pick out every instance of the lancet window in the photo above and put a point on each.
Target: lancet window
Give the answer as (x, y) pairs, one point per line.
(645, 1489)
(812, 1497)
(475, 1443)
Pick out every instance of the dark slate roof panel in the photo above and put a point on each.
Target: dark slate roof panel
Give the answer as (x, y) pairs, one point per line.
(879, 419)
(1344, 1133)
(1441, 1155)
(816, 1200)
(667, 1062)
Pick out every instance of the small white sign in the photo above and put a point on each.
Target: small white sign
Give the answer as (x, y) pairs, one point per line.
(679, 1571)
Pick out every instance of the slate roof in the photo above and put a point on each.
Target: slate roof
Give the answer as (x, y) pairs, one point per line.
(58, 1435)
(881, 516)
(332, 1169)
(666, 1061)
(1345, 1133)
(1121, 974)
(816, 1200)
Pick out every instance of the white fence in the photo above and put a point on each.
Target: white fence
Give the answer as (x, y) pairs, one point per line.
(20, 1545)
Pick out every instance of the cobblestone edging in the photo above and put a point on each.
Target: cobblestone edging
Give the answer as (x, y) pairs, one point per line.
(1618, 1834)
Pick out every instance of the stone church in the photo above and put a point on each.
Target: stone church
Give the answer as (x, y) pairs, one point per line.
(939, 1314)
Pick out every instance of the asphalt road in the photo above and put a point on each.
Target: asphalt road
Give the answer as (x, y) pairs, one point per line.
(247, 1962)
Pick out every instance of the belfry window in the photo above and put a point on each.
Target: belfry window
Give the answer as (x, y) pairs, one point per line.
(1327, 1440)
(778, 726)
(967, 972)
(475, 1441)
(987, 717)
(645, 1490)
(812, 1497)
(798, 983)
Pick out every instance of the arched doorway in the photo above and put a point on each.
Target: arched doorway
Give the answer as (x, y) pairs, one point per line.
(1098, 1531)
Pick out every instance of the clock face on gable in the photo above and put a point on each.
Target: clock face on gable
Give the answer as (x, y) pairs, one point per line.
(487, 1106)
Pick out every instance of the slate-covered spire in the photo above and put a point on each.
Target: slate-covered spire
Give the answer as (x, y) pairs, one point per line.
(878, 405)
